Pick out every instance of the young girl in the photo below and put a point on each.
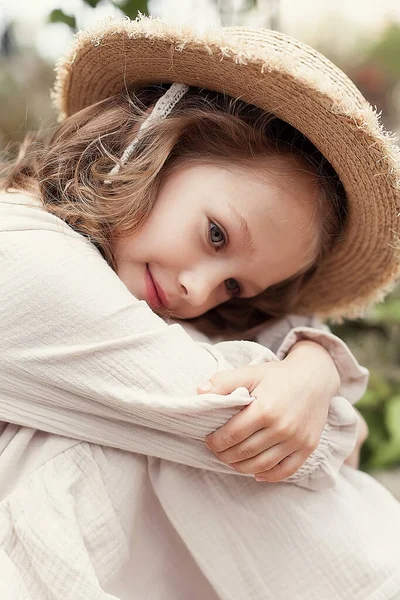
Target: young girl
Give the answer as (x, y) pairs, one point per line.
(212, 210)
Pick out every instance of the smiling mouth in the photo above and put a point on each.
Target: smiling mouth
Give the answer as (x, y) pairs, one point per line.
(155, 296)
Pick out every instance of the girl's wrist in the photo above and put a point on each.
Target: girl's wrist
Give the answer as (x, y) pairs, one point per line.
(318, 358)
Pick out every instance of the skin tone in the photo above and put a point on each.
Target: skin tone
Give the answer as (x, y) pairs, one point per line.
(196, 241)
(216, 232)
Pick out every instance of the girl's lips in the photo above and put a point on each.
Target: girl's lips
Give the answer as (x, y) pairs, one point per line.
(160, 293)
(155, 295)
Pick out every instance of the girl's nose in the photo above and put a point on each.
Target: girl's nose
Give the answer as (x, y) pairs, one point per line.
(199, 286)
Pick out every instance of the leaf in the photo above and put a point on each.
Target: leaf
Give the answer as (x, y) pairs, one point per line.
(58, 16)
(392, 418)
(131, 8)
(92, 3)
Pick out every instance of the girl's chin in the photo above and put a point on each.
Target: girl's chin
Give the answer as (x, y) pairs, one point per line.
(170, 315)
(165, 313)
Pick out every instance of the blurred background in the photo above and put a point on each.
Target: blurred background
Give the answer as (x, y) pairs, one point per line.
(363, 38)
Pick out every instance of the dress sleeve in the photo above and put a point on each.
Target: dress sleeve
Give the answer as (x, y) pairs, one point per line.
(81, 357)
(282, 334)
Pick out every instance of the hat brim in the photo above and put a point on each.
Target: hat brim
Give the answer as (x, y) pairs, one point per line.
(297, 84)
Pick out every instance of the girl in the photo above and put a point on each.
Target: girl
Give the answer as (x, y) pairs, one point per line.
(216, 211)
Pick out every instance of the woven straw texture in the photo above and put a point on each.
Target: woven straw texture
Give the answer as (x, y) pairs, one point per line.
(297, 84)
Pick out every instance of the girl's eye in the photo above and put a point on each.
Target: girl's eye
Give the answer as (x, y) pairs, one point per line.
(216, 235)
(218, 238)
(232, 287)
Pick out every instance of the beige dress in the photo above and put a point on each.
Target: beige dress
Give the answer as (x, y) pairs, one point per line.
(141, 509)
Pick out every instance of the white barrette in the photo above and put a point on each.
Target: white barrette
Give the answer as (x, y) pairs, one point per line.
(161, 109)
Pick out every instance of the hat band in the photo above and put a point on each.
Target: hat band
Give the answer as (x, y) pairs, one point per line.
(161, 110)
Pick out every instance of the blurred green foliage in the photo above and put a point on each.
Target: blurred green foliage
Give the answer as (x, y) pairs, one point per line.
(58, 16)
(375, 341)
(130, 8)
(386, 50)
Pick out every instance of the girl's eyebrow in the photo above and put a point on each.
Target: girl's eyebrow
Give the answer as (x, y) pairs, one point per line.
(244, 230)
(247, 239)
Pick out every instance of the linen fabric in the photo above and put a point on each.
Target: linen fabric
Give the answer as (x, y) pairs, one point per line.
(140, 508)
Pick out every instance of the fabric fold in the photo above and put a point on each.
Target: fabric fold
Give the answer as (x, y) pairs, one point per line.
(58, 529)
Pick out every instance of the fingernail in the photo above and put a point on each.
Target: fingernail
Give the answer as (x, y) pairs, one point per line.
(207, 386)
(259, 478)
(208, 445)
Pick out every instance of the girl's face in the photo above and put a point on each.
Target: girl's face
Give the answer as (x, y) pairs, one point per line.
(218, 232)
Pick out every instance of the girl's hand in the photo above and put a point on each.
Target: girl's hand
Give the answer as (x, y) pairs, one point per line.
(274, 435)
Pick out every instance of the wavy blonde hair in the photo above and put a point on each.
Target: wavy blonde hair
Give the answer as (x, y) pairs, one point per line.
(71, 168)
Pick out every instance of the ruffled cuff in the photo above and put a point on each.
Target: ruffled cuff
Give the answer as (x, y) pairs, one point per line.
(337, 442)
(353, 377)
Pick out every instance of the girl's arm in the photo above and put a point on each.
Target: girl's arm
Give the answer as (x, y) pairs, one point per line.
(81, 357)
(275, 435)
(282, 334)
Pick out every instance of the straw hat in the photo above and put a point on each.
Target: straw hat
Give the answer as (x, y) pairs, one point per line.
(300, 86)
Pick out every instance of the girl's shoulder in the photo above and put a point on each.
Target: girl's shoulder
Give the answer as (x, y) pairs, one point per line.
(19, 197)
(23, 210)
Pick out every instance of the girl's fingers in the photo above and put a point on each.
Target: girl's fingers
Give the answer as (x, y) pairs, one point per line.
(235, 431)
(284, 469)
(264, 461)
(252, 446)
(226, 382)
